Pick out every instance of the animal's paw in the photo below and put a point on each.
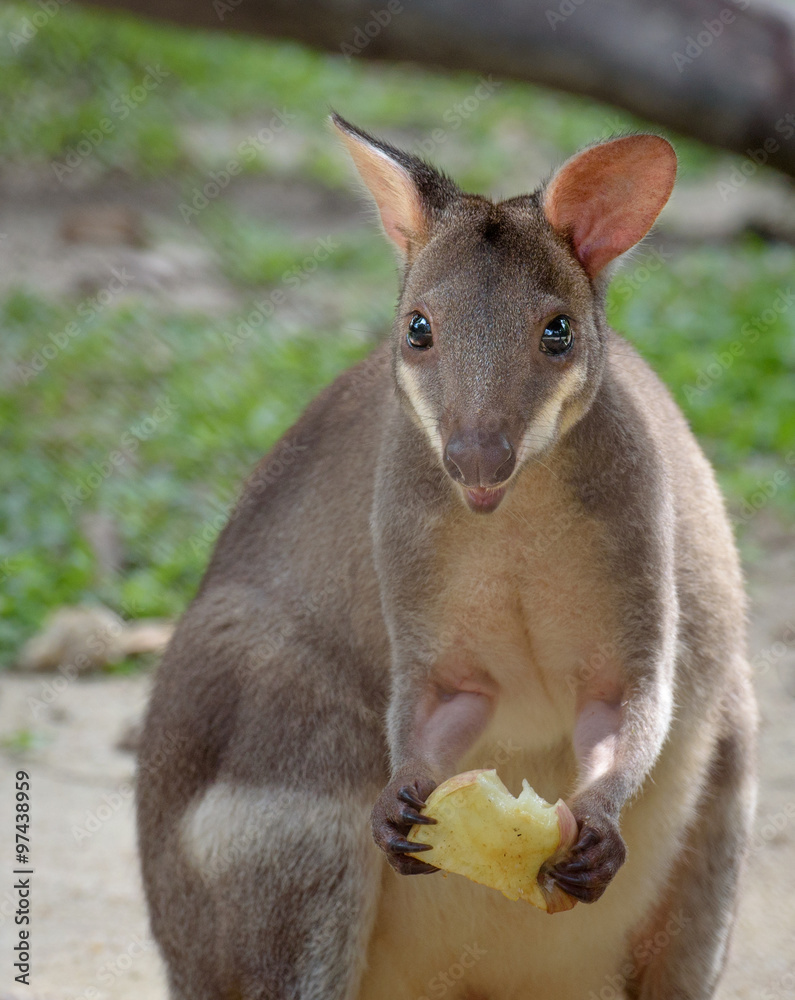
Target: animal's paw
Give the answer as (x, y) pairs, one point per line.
(591, 864)
(397, 809)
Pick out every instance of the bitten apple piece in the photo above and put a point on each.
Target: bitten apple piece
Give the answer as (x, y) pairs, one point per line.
(489, 836)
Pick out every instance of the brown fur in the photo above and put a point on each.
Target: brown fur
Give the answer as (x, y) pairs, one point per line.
(350, 587)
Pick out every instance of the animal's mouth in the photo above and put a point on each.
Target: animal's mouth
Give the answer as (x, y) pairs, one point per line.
(483, 499)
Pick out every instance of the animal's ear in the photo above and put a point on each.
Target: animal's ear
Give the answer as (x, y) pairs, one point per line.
(408, 192)
(606, 198)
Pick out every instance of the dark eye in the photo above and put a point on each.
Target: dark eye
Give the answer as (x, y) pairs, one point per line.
(419, 335)
(557, 337)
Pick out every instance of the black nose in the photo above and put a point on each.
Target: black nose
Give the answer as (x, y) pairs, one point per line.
(479, 458)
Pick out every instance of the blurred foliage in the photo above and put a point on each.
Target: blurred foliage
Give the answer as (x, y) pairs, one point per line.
(23, 741)
(82, 66)
(719, 326)
(154, 415)
(154, 420)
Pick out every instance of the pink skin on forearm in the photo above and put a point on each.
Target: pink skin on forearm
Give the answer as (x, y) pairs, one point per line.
(457, 705)
(449, 720)
(596, 739)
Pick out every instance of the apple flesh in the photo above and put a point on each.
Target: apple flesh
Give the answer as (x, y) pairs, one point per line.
(489, 836)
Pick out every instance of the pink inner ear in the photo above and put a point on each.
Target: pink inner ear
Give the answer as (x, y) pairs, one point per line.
(608, 197)
(397, 200)
(394, 192)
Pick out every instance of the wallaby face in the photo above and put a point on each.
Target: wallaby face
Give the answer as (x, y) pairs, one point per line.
(488, 353)
(499, 339)
(351, 648)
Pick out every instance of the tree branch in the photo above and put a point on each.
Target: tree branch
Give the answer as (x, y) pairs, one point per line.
(722, 71)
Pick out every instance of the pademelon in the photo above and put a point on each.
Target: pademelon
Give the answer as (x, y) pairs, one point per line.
(489, 836)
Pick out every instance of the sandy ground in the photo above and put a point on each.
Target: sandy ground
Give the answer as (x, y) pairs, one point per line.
(90, 938)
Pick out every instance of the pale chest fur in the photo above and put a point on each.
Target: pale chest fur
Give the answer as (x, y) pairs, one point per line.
(527, 602)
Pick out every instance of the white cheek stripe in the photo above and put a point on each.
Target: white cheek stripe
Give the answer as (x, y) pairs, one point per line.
(541, 432)
(538, 435)
(424, 415)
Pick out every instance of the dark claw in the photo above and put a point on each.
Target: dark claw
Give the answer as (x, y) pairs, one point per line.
(572, 879)
(411, 816)
(408, 795)
(392, 822)
(588, 839)
(399, 845)
(592, 863)
(565, 867)
(581, 892)
(417, 867)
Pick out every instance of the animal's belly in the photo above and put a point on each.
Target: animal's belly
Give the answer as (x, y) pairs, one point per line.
(530, 730)
(441, 935)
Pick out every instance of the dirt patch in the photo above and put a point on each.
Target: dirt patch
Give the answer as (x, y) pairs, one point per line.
(89, 931)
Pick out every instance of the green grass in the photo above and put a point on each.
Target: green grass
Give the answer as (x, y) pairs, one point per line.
(719, 327)
(23, 741)
(186, 416)
(156, 429)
